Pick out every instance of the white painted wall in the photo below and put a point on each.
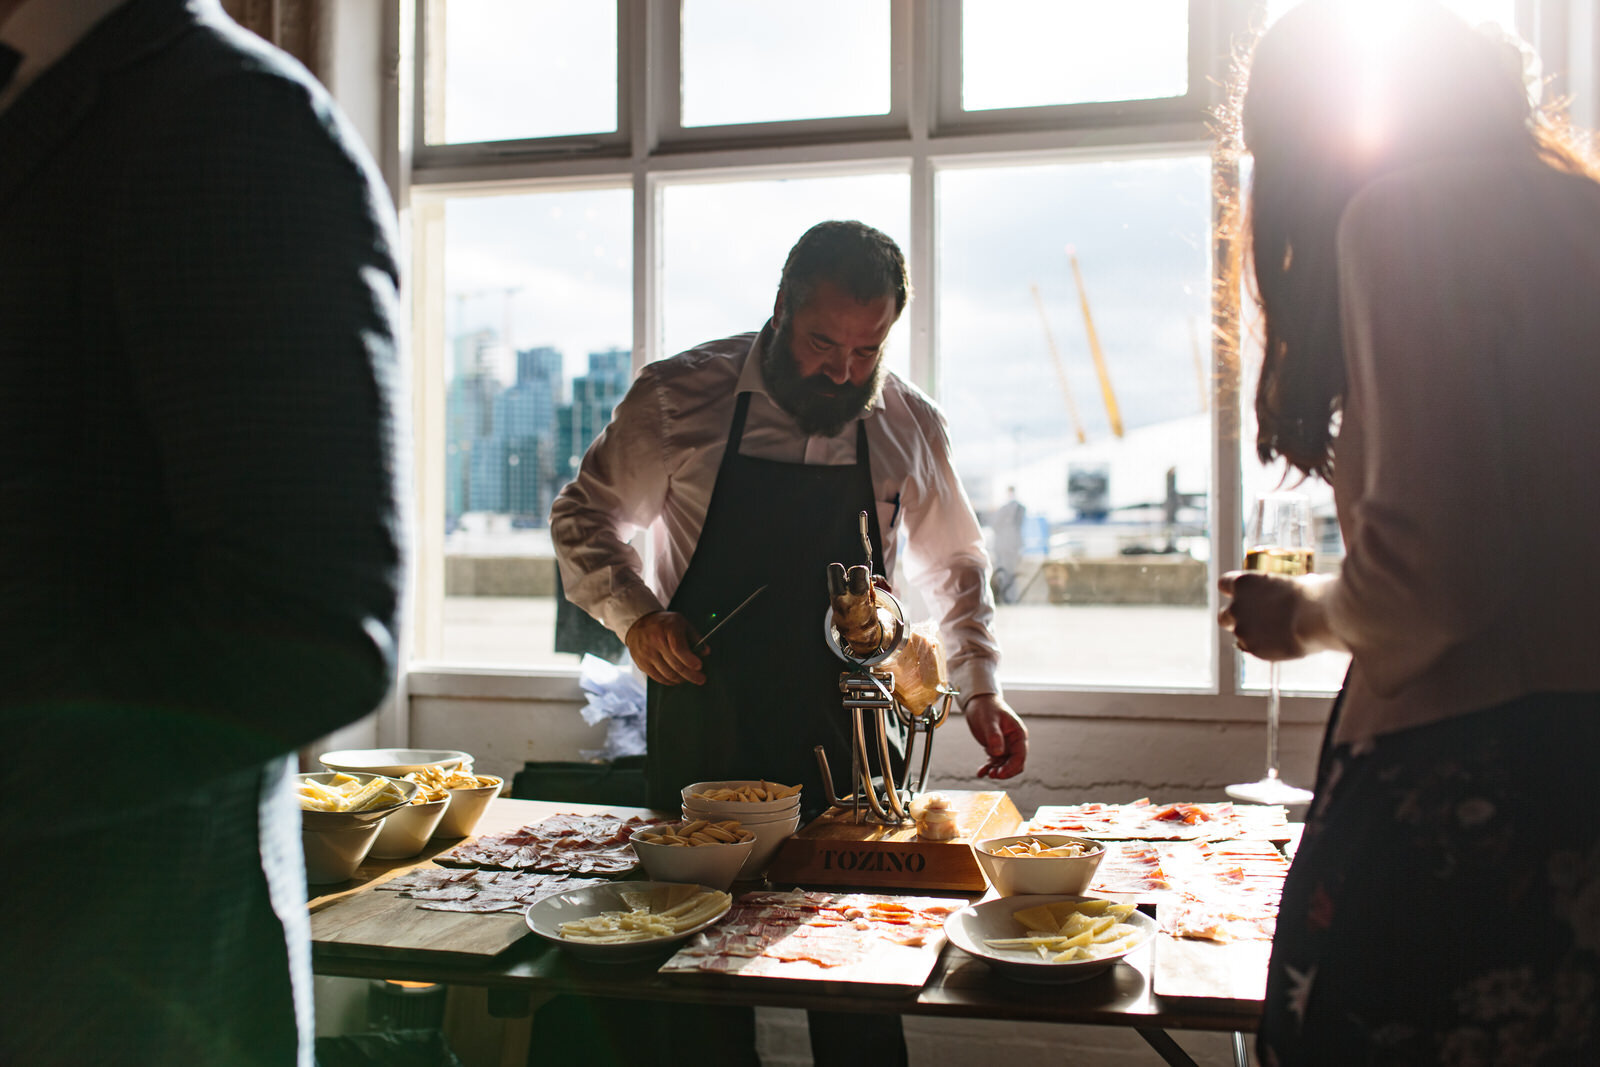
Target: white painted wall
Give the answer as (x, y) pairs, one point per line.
(1072, 757)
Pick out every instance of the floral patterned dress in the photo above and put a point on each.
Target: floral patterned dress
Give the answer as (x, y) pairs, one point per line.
(1444, 905)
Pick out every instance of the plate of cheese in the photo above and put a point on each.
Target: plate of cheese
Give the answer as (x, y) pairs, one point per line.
(1049, 938)
(623, 921)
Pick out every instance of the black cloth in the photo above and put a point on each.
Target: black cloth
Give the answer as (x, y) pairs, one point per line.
(772, 683)
(1444, 903)
(10, 60)
(199, 543)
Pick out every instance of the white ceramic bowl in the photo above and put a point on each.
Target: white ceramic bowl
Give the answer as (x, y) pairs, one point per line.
(734, 809)
(1058, 875)
(708, 865)
(393, 762)
(406, 830)
(466, 808)
(975, 924)
(344, 820)
(769, 836)
(747, 821)
(545, 917)
(333, 855)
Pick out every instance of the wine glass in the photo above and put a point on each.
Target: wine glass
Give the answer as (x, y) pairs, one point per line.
(1279, 541)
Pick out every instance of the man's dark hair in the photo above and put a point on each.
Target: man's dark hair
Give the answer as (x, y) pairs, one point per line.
(864, 262)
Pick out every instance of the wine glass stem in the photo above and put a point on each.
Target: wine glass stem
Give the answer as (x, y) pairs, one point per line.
(1272, 720)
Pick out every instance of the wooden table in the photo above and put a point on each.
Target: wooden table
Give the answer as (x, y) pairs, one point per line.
(531, 971)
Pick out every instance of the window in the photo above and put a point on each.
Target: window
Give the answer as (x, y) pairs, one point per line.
(1046, 168)
(1073, 53)
(723, 244)
(532, 351)
(1074, 300)
(503, 71)
(747, 63)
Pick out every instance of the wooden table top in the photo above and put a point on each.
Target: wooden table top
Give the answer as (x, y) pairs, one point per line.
(960, 986)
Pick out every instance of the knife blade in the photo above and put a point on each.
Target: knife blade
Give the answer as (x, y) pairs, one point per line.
(724, 620)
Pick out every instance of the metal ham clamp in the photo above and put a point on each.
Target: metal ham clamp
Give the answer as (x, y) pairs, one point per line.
(866, 627)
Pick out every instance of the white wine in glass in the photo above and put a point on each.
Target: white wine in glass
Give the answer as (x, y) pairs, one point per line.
(1279, 541)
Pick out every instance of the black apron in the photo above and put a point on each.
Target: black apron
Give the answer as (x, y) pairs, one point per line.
(772, 682)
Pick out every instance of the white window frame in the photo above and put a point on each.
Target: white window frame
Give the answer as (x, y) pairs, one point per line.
(923, 132)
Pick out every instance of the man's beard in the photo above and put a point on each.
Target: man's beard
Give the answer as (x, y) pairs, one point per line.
(806, 399)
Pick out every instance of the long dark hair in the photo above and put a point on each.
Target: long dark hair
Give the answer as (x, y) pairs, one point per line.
(1323, 110)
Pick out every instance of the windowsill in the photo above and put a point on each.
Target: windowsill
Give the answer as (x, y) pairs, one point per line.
(1030, 701)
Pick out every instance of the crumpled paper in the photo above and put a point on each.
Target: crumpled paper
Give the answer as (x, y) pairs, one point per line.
(617, 698)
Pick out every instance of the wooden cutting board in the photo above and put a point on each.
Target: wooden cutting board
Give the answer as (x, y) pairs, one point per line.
(386, 925)
(834, 849)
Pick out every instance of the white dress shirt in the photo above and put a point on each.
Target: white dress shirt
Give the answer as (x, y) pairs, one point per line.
(655, 465)
(1465, 462)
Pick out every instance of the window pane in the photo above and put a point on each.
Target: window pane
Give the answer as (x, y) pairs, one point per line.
(723, 246)
(1323, 672)
(1106, 582)
(504, 70)
(1034, 53)
(538, 329)
(773, 61)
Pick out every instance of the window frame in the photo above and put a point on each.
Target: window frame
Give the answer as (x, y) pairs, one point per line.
(922, 134)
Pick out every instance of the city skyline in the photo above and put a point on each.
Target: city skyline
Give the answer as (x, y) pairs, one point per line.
(512, 443)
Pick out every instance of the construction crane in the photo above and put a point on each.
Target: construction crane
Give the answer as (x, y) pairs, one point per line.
(1113, 413)
(1061, 370)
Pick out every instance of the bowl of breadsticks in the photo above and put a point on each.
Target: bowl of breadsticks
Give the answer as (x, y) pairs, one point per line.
(469, 796)
(699, 851)
(341, 816)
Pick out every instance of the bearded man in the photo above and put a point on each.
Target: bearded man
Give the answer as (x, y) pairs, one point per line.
(749, 460)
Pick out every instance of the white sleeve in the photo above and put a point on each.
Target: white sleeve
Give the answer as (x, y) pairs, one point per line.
(945, 559)
(1420, 358)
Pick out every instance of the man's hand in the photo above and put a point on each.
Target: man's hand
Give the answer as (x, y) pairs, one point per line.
(1274, 617)
(662, 644)
(1000, 732)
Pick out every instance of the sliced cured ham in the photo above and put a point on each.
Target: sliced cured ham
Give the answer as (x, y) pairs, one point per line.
(560, 844)
(483, 892)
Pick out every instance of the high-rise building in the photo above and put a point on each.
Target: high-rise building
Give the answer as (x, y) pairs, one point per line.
(525, 423)
(469, 419)
(594, 397)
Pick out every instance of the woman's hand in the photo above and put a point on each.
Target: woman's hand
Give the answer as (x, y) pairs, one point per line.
(1274, 617)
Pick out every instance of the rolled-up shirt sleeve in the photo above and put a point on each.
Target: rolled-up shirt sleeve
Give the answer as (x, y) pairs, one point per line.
(1428, 505)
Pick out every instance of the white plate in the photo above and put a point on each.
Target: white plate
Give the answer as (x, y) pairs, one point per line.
(546, 916)
(970, 927)
(391, 761)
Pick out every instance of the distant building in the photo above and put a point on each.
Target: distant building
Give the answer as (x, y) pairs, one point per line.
(469, 420)
(594, 397)
(510, 449)
(525, 430)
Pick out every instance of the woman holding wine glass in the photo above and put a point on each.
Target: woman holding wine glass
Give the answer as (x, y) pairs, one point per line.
(1425, 248)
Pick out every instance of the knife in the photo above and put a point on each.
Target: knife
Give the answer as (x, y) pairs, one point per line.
(724, 620)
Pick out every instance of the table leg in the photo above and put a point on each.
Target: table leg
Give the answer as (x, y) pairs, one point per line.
(1162, 1042)
(1241, 1050)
